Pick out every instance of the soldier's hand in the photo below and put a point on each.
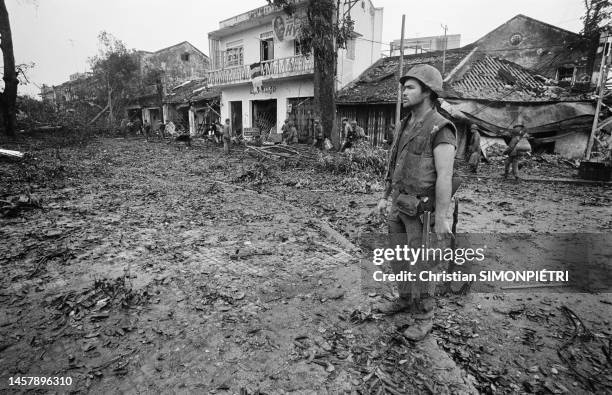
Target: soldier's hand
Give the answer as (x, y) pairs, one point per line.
(382, 207)
(442, 229)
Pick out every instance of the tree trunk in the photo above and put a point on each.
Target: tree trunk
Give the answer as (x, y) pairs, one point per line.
(111, 118)
(325, 73)
(8, 98)
(160, 97)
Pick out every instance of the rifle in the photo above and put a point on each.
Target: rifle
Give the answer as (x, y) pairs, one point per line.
(426, 229)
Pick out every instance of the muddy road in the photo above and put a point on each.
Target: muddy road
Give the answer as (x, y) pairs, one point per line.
(133, 266)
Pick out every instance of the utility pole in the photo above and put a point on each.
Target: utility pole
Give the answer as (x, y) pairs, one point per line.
(398, 106)
(601, 88)
(445, 27)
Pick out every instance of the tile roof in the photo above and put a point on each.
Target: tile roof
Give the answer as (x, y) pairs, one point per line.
(378, 83)
(485, 77)
(480, 77)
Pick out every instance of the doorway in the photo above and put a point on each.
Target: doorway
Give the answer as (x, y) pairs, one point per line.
(266, 49)
(264, 115)
(236, 116)
(300, 110)
(134, 113)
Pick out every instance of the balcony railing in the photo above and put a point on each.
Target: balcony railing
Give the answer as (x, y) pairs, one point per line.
(229, 75)
(275, 68)
(294, 65)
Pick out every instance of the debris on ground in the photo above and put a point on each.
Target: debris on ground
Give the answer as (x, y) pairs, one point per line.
(276, 152)
(147, 264)
(13, 205)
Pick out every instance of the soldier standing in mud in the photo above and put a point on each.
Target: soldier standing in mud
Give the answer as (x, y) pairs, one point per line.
(318, 135)
(514, 154)
(147, 129)
(474, 149)
(420, 169)
(227, 137)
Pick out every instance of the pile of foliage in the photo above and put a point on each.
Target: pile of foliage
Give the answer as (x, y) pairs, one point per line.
(361, 185)
(255, 174)
(362, 159)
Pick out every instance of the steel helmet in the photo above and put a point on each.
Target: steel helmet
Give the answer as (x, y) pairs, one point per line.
(426, 74)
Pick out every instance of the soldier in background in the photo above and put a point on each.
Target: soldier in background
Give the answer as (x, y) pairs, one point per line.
(358, 131)
(348, 134)
(515, 151)
(474, 149)
(227, 137)
(319, 136)
(147, 129)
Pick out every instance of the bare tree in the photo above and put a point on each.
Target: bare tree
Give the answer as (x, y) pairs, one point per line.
(596, 13)
(8, 97)
(116, 69)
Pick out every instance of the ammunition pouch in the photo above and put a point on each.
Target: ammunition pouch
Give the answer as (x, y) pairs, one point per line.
(413, 205)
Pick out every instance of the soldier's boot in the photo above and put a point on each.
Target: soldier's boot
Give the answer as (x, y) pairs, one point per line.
(423, 321)
(391, 307)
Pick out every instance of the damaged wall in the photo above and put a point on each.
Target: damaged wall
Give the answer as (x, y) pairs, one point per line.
(537, 46)
(572, 145)
(180, 62)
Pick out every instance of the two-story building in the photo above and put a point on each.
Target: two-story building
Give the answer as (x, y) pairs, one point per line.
(178, 63)
(263, 76)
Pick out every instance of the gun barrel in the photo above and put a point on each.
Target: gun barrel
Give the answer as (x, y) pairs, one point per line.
(426, 228)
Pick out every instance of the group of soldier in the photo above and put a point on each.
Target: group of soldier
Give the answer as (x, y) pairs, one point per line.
(351, 132)
(517, 148)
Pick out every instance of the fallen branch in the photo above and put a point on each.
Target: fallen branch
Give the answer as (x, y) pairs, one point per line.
(99, 115)
(47, 128)
(11, 153)
(580, 332)
(331, 232)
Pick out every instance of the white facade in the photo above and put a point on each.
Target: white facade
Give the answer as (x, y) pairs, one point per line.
(286, 82)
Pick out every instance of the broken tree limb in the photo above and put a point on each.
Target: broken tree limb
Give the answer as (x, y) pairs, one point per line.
(11, 153)
(94, 119)
(331, 232)
(46, 128)
(212, 109)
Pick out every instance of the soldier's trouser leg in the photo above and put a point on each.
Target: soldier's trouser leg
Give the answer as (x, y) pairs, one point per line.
(507, 165)
(407, 230)
(515, 163)
(226, 146)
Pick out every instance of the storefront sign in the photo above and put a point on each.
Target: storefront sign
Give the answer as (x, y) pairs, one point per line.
(285, 27)
(263, 89)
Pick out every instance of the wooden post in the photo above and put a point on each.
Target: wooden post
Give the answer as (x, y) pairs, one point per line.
(603, 72)
(398, 106)
(445, 27)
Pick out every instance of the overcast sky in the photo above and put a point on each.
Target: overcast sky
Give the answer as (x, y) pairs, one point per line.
(59, 35)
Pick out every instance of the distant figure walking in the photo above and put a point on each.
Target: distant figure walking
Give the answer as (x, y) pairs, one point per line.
(474, 149)
(517, 147)
(227, 137)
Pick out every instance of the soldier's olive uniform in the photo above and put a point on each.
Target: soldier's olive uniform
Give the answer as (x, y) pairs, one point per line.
(412, 174)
